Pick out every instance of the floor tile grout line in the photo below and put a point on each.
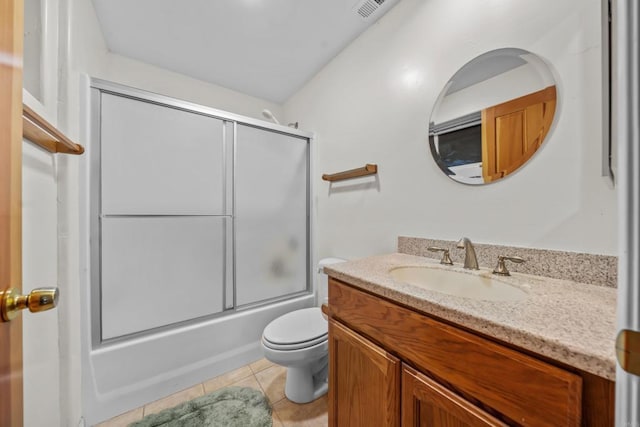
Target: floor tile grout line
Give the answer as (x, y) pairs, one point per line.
(277, 414)
(277, 417)
(265, 395)
(255, 371)
(280, 400)
(260, 385)
(229, 383)
(247, 376)
(145, 406)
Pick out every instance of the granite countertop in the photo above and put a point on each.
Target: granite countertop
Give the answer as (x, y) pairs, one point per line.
(571, 322)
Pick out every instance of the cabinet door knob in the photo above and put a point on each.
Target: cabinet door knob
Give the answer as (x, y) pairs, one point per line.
(40, 299)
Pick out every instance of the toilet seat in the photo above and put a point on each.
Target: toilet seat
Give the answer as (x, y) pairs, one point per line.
(295, 346)
(296, 330)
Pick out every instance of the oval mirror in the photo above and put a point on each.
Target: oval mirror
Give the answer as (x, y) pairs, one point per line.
(492, 116)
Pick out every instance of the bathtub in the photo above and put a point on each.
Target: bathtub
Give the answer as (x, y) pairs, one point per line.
(125, 375)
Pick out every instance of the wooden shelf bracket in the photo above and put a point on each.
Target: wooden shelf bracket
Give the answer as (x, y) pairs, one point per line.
(369, 169)
(39, 131)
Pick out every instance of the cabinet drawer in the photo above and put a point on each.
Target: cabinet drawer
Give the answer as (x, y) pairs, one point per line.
(526, 390)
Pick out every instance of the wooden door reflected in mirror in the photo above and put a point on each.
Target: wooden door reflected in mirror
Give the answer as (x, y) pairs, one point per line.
(492, 116)
(513, 131)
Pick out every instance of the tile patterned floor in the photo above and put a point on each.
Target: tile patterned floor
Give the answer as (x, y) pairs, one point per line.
(261, 375)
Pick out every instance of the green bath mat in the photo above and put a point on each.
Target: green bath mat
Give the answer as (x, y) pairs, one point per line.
(227, 407)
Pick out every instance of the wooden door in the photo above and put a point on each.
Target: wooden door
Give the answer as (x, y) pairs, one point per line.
(11, 22)
(513, 131)
(364, 381)
(425, 403)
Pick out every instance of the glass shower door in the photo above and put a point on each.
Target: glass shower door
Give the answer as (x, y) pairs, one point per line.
(165, 223)
(271, 215)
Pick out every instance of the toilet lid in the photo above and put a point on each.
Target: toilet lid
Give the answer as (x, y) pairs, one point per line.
(297, 327)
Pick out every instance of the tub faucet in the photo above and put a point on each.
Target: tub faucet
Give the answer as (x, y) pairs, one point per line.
(470, 260)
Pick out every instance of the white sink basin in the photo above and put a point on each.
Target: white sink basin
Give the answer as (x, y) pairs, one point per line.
(479, 286)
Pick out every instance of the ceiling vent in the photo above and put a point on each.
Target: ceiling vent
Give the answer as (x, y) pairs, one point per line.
(366, 8)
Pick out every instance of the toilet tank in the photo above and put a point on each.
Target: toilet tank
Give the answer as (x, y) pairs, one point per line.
(323, 279)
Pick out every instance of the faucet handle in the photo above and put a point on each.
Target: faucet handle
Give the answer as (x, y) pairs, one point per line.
(445, 254)
(501, 268)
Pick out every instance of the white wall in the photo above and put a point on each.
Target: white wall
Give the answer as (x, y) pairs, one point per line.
(372, 103)
(143, 76)
(40, 269)
(39, 228)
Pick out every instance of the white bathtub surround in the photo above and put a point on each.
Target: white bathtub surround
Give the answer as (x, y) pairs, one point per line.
(123, 376)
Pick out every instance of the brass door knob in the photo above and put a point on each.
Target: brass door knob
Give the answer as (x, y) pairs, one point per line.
(40, 299)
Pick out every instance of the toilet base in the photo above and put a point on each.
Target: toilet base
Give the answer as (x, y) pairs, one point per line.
(304, 385)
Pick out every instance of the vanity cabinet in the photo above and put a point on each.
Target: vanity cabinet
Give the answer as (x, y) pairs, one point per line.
(388, 359)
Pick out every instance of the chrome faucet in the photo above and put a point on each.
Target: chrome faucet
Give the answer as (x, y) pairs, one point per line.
(470, 260)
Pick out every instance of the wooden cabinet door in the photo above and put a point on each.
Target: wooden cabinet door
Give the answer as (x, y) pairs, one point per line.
(514, 130)
(364, 381)
(425, 403)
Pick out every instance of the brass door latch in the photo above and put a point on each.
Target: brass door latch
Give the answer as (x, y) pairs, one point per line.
(628, 351)
(40, 299)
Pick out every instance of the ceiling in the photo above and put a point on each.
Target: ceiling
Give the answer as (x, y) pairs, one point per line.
(264, 48)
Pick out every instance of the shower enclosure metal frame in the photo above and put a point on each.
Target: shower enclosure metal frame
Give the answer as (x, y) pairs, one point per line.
(230, 122)
(126, 372)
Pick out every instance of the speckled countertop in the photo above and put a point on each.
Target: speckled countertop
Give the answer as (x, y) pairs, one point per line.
(573, 323)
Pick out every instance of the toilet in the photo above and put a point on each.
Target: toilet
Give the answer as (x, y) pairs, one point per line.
(299, 341)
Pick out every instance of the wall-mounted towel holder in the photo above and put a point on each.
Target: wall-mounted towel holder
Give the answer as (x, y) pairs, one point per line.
(39, 131)
(369, 169)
